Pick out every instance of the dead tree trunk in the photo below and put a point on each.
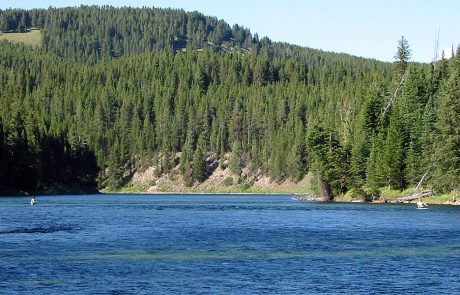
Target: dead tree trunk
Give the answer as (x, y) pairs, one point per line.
(415, 196)
(421, 180)
(395, 94)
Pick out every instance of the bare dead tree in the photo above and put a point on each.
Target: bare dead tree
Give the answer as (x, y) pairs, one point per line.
(436, 48)
(396, 92)
(421, 180)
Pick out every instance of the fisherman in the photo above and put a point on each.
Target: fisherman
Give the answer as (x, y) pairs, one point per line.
(421, 204)
(32, 201)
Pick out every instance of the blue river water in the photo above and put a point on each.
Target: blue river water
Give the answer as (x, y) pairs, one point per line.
(225, 244)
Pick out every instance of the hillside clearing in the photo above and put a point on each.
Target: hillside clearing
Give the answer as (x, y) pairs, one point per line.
(33, 37)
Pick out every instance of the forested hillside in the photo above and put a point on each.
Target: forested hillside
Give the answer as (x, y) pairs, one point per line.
(115, 90)
(91, 33)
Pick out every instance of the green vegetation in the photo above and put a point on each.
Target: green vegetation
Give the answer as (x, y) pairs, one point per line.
(443, 199)
(115, 90)
(33, 37)
(228, 181)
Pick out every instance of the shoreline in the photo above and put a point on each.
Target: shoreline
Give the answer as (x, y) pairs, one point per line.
(447, 203)
(302, 197)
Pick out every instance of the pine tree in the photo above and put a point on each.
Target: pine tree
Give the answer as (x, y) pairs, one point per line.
(395, 152)
(115, 168)
(403, 55)
(375, 171)
(367, 123)
(235, 162)
(447, 146)
(199, 161)
(186, 154)
(295, 163)
(328, 161)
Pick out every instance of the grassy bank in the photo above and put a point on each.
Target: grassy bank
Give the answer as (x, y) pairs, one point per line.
(393, 195)
(242, 189)
(390, 195)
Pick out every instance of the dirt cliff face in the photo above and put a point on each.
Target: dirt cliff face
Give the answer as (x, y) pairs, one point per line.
(220, 180)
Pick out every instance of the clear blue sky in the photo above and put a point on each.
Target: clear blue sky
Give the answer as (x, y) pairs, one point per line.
(359, 27)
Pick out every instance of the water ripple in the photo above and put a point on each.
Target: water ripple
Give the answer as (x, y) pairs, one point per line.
(181, 244)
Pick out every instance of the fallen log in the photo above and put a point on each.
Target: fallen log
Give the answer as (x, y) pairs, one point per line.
(414, 196)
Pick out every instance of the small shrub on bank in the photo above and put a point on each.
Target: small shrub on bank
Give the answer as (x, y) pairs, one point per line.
(228, 181)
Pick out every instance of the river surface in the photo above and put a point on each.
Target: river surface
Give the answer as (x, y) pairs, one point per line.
(225, 244)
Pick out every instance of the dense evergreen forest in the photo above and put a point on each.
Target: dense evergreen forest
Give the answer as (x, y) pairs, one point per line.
(115, 90)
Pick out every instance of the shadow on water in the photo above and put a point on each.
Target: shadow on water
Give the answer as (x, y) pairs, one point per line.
(42, 230)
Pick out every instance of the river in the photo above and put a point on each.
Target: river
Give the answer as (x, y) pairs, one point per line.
(225, 244)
